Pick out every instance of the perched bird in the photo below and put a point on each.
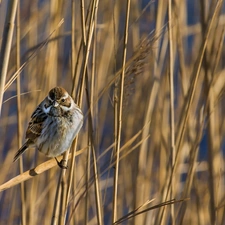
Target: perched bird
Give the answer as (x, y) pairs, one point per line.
(53, 125)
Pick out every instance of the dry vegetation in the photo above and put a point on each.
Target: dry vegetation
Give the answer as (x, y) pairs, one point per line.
(150, 79)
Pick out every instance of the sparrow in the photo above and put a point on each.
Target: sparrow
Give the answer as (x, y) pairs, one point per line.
(54, 125)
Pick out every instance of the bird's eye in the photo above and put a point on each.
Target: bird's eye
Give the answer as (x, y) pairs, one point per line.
(63, 100)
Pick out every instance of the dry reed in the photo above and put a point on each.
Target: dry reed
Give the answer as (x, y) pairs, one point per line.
(150, 78)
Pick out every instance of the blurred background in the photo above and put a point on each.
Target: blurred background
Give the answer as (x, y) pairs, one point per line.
(172, 141)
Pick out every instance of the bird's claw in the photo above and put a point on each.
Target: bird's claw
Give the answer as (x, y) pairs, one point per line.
(62, 163)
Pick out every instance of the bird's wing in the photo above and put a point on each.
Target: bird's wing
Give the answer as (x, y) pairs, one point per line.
(35, 125)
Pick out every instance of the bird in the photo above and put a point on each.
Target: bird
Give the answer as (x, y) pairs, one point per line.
(53, 125)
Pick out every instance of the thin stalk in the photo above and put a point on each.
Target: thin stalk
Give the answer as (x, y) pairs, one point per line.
(19, 118)
(56, 203)
(82, 44)
(90, 131)
(73, 38)
(212, 152)
(72, 171)
(172, 127)
(87, 181)
(63, 200)
(87, 49)
(192, 168)
(116, 175)
(95, 169)
(83, 25)
(115, 97)
(72, 174)
(116, 119)
(97, 188)
(6, 45)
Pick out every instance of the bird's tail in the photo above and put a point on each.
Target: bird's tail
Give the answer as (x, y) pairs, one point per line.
(20, 151)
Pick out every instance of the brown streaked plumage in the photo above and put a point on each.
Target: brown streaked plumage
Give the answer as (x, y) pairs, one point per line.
(53, 125)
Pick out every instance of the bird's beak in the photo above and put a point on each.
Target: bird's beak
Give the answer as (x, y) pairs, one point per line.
(55, 104)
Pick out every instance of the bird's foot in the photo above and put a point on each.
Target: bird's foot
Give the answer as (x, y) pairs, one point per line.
(62, 163)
